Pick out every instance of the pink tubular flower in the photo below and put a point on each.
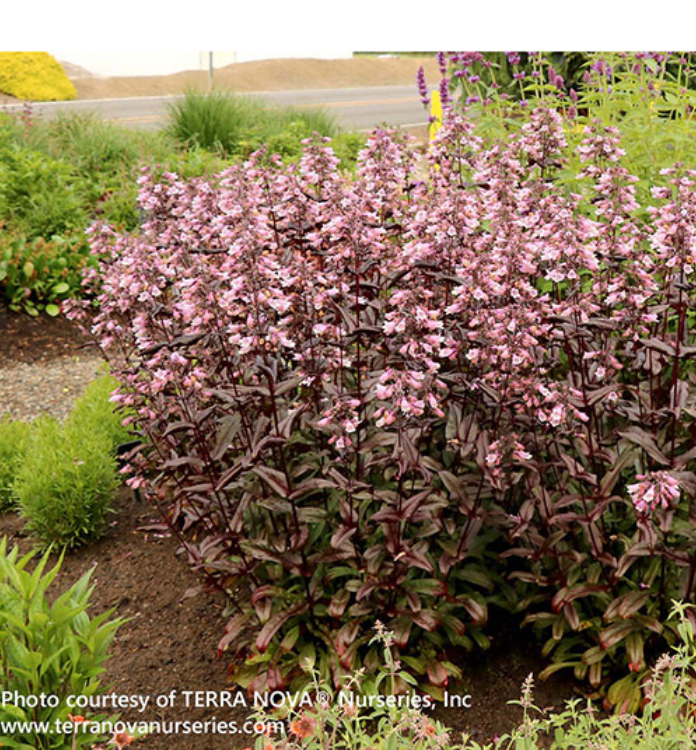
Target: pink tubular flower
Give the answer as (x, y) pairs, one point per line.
(654, 490)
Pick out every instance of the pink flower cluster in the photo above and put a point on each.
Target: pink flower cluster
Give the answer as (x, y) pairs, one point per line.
(658, 489)
(469, 281)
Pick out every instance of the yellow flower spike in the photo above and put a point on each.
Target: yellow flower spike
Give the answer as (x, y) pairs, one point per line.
(435, 114)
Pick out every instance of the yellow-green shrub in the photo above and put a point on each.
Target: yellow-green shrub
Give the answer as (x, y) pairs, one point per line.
(34, 75)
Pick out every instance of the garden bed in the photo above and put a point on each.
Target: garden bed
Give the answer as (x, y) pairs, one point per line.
(166, 644)
(171, 644)
(24, 339)
(396, 411)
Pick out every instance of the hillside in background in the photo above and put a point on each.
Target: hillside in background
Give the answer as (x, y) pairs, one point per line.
(265, 75)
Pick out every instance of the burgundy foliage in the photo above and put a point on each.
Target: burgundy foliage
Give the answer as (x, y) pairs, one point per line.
(409, 394)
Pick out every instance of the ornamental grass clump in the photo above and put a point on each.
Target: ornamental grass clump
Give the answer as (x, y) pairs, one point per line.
(417, 393)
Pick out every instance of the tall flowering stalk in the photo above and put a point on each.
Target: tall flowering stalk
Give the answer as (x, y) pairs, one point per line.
(415, 393)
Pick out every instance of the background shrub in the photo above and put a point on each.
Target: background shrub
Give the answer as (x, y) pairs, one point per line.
(13, 443)
(67, 481)
(238, 125)
(40, 195)
(48, 648)
(37, 275)
(105, 157)
(34, 75)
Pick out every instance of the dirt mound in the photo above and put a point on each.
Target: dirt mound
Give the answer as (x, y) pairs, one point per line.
(77, 71)
(267, 75)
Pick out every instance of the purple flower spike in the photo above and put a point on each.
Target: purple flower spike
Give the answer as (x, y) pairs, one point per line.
(444, 91)
(423, 87)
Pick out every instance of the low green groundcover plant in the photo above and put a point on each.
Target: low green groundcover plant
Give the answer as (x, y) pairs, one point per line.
(64, 475)
(48, 645)
(66, 482)
(416, 393)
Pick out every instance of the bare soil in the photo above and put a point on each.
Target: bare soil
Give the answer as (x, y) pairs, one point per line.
(28, 340)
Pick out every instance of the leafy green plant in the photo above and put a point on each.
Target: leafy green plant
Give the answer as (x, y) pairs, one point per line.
(49, 645)
(13, 442)
(37, 275)
(67, 481)
(95, 413)
(347, 146)
(40, 195)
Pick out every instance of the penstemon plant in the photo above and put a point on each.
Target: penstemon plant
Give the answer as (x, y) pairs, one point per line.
(415, 393)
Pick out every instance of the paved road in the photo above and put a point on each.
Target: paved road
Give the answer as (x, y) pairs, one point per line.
(354, 108)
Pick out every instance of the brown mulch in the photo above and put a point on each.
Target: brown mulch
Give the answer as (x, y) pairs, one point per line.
(42, 339)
